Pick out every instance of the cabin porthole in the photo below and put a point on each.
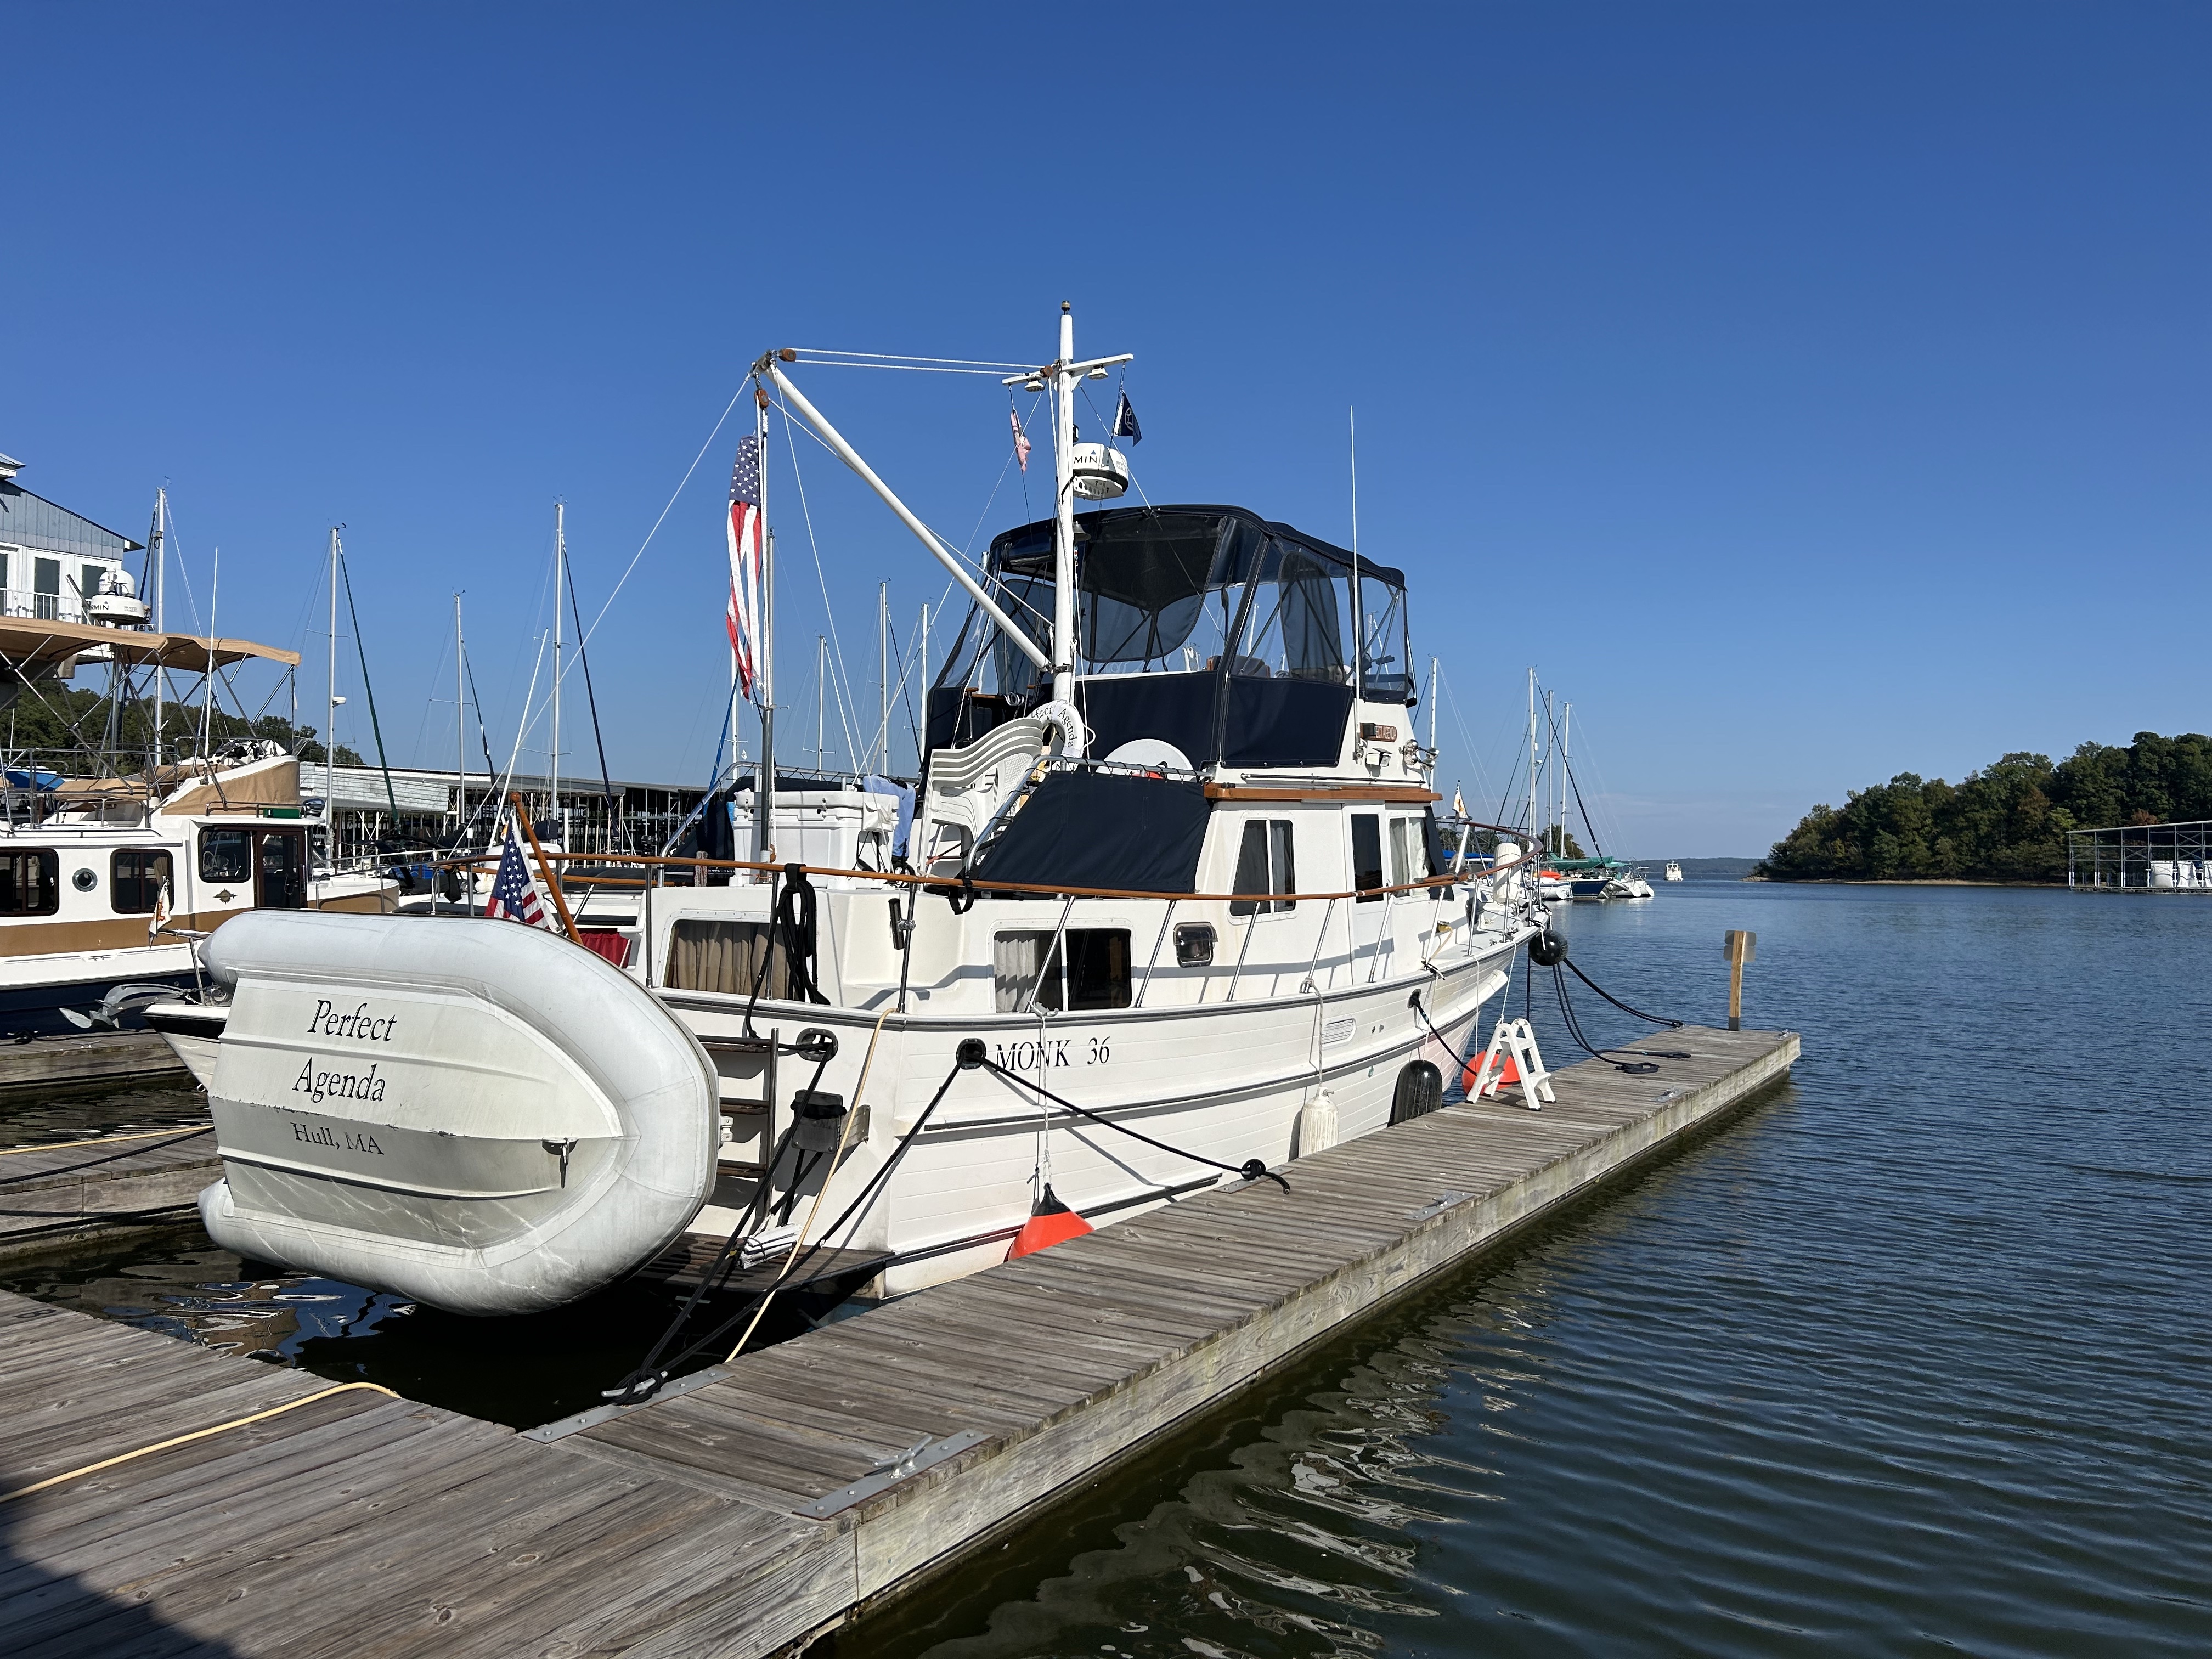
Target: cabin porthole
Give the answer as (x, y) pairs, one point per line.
(85, 880)
(1420, 1091)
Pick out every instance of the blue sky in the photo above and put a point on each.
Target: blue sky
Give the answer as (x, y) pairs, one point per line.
(1810, 393)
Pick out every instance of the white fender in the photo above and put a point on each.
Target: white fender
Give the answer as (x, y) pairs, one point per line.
(474, 1113)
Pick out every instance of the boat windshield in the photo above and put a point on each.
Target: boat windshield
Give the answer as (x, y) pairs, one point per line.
(1191, 589)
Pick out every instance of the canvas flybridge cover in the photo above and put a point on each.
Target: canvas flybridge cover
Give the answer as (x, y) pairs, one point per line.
(26, 641)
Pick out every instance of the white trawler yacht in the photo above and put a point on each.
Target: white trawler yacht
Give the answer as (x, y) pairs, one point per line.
(1173, 911)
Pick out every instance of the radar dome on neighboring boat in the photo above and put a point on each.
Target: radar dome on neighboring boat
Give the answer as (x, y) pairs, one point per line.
(116, 605)
(1100, 472)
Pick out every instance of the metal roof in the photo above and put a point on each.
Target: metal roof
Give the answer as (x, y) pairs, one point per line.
(28, 520)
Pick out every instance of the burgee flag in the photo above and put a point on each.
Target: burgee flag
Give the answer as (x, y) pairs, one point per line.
(744, 528)
(1125, 422)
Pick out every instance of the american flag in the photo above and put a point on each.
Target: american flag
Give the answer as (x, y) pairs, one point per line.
(513, 895)
(1021, 440)
(745, 557)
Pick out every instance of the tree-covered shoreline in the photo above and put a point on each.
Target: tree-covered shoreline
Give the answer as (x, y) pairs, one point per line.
(2007, 823)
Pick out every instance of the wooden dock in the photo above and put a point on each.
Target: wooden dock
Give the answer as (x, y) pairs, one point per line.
(103, 1187)
(95, 1057)
(752, 1507)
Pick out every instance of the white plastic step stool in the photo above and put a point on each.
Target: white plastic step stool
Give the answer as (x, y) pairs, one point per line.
(1515, 1039)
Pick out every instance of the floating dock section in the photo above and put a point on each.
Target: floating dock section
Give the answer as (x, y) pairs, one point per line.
(73, 1191)
(754, 1506)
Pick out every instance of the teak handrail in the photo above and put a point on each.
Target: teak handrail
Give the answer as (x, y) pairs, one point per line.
(987, 885)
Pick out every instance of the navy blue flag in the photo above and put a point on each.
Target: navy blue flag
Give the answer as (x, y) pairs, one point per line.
(1124, 422)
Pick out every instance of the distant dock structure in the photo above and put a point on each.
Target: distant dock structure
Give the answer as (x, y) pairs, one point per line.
(2140, 858)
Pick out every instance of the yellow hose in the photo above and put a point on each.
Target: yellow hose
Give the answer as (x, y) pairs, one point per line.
(196, 1434)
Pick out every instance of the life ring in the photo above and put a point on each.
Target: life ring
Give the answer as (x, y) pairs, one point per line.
(1062, 718)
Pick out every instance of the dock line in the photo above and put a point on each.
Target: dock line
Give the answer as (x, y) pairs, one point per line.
(97, 1140)
(196, 1434)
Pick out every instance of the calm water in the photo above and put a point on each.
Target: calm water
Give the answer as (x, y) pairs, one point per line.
(1910, 1358)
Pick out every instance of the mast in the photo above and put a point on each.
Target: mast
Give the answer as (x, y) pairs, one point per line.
(1066, 374)
(1532, 759)
(331, 721)
(157, 556)
(884, 677)
(460, 730)
(821, 679)
(1432, 708)
(560, 571)
(1566, 733)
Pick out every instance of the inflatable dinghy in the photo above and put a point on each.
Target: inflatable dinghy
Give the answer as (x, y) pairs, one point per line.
(386, 1116)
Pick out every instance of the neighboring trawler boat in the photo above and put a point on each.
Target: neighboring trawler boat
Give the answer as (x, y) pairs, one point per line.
(103, 878)
(1174, 909)
(1674, 871)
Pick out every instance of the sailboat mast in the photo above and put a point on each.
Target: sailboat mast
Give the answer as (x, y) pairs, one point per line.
(821, 680)
(560, 572)
(157, 557)
(1566, 736)
(883, 675)
(1065, 376)
(1532, 759)
(331, 719)
(460, 729)
(1433, 708)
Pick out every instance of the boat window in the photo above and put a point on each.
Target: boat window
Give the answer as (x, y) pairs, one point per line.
(225, 855)
(30, 883)
(1264, 864)
(1298, 623)
(724, 956)
(1095, 973)
(136, 880)
(283, 871)
(1387, 665)
(1408, 852)
(1194, 944)
(1367, 855)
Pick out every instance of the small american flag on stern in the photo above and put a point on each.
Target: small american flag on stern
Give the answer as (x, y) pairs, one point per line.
(513, 895)
(744, 528)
